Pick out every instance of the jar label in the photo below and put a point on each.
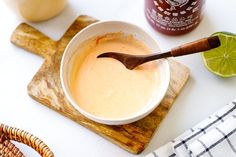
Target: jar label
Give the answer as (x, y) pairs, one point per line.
(175, 15)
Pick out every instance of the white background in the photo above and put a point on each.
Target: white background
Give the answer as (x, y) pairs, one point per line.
(203, 94)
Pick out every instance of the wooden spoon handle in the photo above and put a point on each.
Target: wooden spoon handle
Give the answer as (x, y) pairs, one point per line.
(196, 46)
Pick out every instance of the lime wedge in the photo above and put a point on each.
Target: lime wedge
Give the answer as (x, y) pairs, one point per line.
(222, 60)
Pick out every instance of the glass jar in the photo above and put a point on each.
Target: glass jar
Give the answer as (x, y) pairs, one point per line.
(174, 17)
(36, 10)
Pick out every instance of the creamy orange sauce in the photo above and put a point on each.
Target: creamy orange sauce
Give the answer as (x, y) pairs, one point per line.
(103, 86)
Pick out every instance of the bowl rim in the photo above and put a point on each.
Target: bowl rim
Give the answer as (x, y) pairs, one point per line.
(103, 120)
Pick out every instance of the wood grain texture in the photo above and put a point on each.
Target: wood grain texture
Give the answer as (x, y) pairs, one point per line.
(197, 46)
(45, 87)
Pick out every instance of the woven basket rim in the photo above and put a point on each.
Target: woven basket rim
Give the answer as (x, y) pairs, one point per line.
(8, 134)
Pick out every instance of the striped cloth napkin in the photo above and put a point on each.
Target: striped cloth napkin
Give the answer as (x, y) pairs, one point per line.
(213, 137)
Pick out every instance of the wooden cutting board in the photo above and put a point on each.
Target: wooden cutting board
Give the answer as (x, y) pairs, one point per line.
(45, 87)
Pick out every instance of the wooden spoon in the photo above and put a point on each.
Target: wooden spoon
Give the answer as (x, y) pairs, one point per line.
(132, 61)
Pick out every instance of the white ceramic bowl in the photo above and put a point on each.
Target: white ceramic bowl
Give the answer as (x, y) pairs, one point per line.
(101, 28)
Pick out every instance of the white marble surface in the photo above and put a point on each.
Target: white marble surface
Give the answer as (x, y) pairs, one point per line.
(203, 94)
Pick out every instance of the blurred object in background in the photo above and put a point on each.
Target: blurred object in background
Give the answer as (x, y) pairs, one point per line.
(36, 10)
(174, 17)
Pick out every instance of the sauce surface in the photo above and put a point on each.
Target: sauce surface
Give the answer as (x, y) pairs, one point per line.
(104, 87)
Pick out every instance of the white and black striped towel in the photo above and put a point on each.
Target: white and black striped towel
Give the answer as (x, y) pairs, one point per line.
(213, 137)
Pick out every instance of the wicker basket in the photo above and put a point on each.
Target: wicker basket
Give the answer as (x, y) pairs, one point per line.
(8, 149)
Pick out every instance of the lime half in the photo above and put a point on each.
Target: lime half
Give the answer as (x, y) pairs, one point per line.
(222, 60)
